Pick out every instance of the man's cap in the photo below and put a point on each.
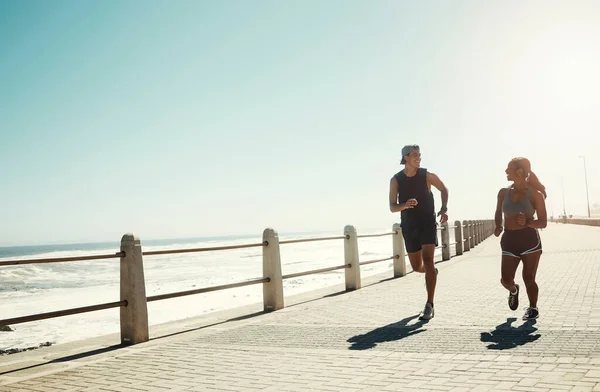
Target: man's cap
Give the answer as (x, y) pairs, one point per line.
(407, 150)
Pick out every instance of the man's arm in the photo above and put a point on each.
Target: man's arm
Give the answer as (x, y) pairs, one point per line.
(394, 205)
(540, 209)
(434, 180)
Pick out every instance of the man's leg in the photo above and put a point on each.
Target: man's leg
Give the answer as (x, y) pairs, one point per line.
(430, 273)
(428, 237)
(416, 261)
(413, 249)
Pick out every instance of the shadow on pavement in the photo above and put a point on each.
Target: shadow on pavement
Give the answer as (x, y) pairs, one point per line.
(396, 331)
(505, 336)
(65, 359)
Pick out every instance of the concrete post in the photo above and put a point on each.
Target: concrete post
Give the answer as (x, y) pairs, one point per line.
(134, 316)
(458, 237)
(477, 233)
(398, 251)
(445, 234)
(273, 290)
(481, 232)
(467, 234)
(351, 258)
(471, 235)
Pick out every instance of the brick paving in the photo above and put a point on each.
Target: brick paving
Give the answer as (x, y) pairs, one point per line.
(371, 339)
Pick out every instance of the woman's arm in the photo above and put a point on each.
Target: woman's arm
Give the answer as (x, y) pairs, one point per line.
(537, 199)
(498, 215)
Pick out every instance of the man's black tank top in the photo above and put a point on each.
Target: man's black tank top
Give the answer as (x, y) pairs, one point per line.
(415, 187)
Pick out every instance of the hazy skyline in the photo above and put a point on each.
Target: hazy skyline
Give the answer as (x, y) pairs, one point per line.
(198, 118)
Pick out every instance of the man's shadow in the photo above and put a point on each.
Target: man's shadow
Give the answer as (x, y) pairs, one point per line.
(396, 331)
(505, 336)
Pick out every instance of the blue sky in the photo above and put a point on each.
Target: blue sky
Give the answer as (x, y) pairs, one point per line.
(198, 118)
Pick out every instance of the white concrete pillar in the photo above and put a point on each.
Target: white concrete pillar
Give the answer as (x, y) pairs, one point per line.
(398, 251)
(481, 233)
(351, 258)
(467, 235)
(273, 290)
(134, 316)
(458, 237)
(471, 235)
(445, 234)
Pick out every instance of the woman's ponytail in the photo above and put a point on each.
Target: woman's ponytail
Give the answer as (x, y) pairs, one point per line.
(535, 183)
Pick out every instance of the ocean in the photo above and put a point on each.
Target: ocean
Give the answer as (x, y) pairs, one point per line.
(37, 288)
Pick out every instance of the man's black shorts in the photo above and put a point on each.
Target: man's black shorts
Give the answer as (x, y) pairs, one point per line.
(416, 237)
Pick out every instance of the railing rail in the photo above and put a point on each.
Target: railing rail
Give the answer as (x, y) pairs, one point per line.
(315, 271)
(314, 239)
(64, 312)
(206, 249)
(60, 259)
(376, 235)
(378, 260)
(133, 299)
(207, 289)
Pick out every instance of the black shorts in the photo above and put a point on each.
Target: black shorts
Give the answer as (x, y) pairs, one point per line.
(416, 237)
(517, 243)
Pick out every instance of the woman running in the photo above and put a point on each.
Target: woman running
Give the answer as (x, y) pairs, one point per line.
(521, 240)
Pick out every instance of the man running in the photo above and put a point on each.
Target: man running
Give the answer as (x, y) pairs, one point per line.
(410, 193)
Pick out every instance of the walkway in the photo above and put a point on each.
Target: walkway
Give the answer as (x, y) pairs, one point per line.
(370, 339)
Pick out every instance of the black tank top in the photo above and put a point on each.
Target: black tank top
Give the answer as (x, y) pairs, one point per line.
(415, 187)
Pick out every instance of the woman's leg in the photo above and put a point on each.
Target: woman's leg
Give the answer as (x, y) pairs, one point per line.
(508, 271)
(530, 266)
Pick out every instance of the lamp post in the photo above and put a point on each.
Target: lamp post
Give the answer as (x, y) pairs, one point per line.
(586, 186)
(562, 185)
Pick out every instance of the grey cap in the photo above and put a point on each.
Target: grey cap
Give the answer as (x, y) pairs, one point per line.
(407, 150)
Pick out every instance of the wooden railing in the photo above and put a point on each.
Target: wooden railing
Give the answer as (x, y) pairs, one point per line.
(133, 303)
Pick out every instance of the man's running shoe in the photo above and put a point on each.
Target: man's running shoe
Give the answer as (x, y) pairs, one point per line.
(428, 312)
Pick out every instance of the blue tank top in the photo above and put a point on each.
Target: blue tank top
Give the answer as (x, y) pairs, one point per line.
(511, 208)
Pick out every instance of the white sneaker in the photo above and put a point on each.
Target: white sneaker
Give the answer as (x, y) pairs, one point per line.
(428, 312)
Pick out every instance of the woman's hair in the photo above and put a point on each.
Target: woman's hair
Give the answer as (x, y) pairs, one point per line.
(530, 177)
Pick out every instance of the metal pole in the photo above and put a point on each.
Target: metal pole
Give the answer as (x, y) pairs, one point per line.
(587, 195)
(562, 185)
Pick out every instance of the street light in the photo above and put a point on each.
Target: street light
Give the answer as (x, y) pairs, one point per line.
(586, 186)
(562, 186)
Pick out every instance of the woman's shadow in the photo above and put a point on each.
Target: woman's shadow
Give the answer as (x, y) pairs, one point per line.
(396, 331)
(505, 336)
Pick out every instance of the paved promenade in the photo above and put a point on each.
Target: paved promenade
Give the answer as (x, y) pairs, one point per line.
(366, 340)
